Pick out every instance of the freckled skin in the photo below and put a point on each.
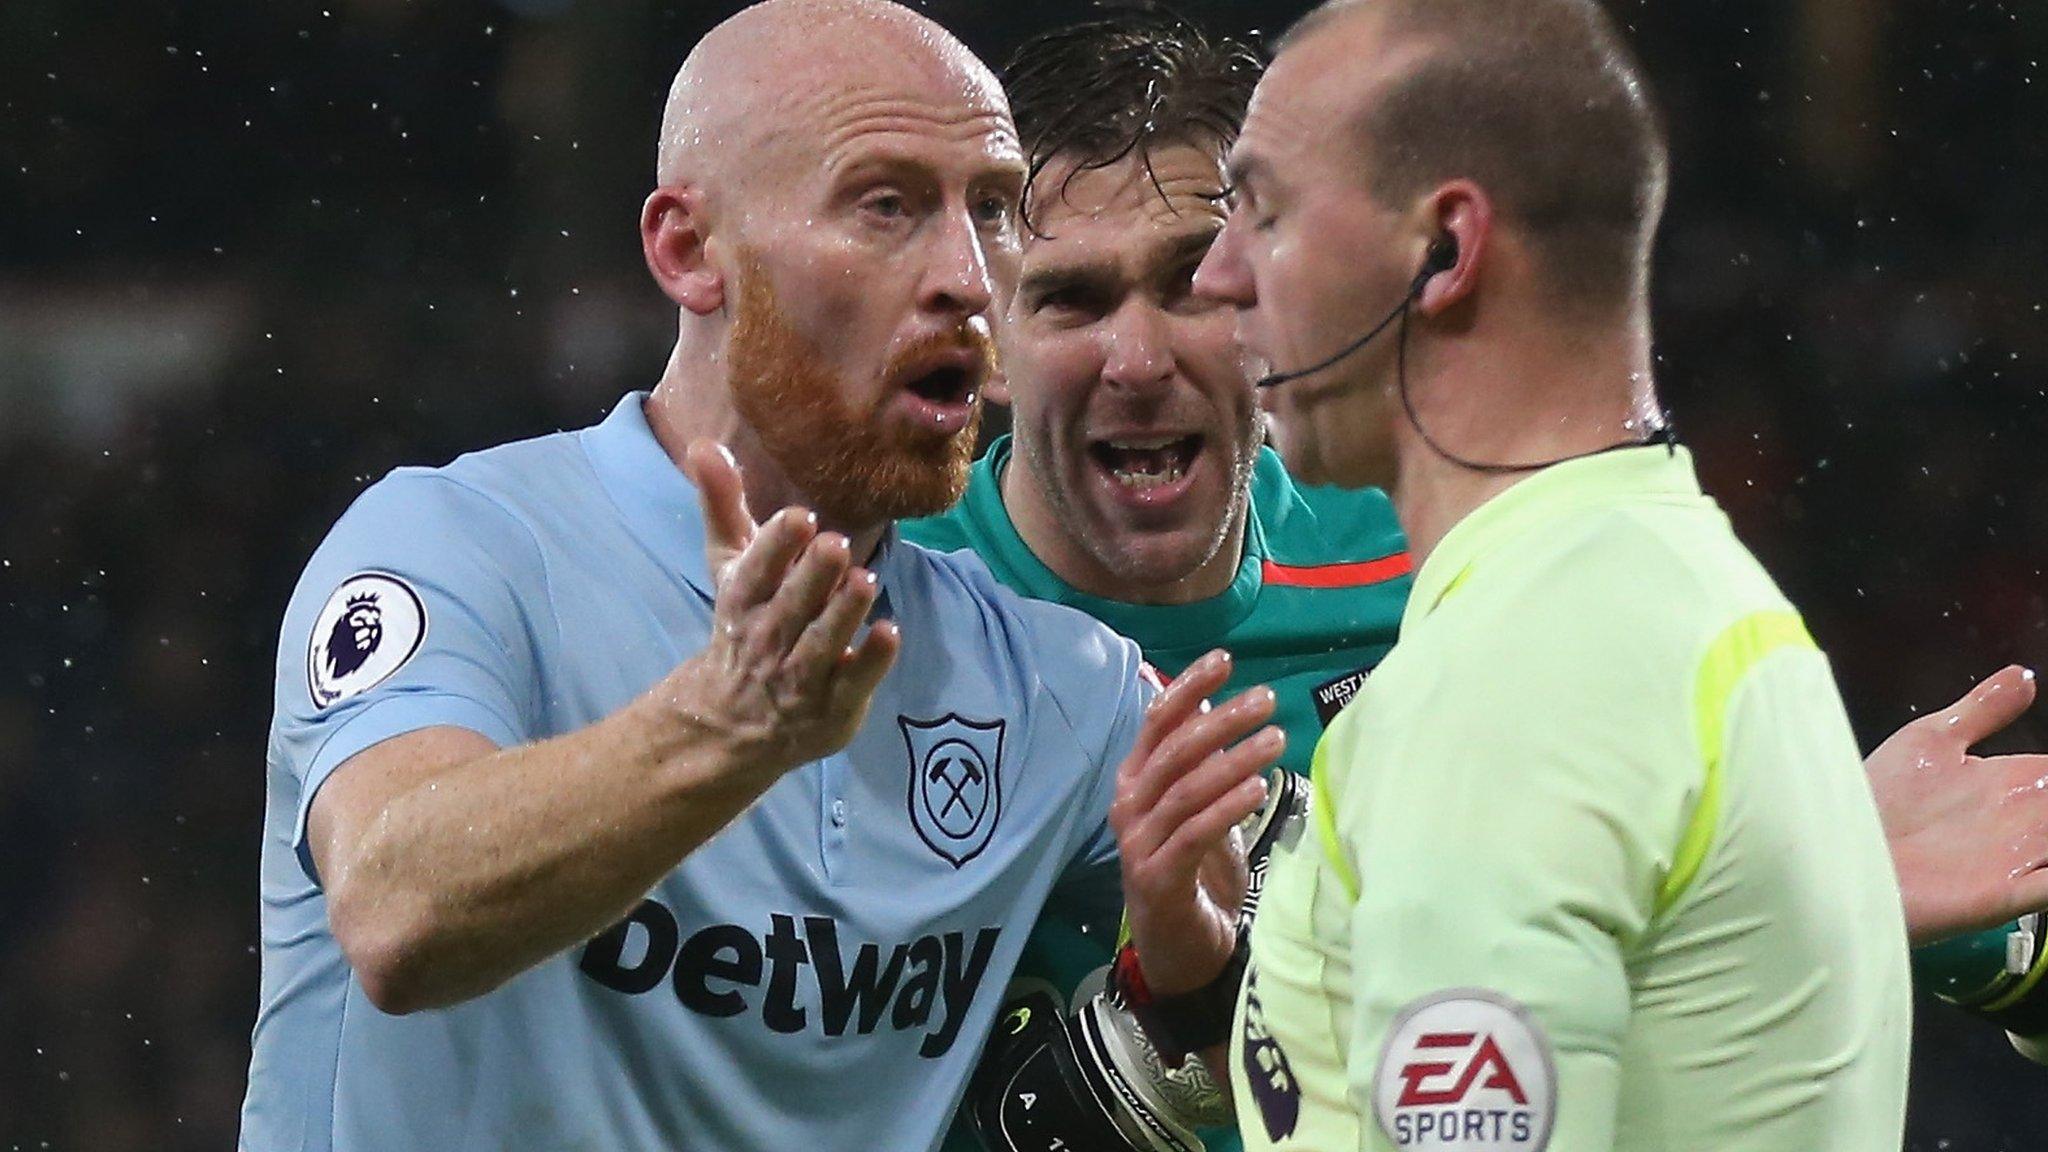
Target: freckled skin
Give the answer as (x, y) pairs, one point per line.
(870, 167)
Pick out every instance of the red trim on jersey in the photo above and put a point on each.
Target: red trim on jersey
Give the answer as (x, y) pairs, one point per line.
(1338, 575)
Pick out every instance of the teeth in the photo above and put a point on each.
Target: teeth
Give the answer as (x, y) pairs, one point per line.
(1152, 445)
(1143, 481)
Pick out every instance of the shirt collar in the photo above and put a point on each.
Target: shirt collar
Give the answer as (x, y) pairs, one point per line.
(1653, 472)
(658, 502)
(1163, 627)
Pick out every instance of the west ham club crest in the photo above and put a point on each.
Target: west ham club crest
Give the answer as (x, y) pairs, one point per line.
(956, 783)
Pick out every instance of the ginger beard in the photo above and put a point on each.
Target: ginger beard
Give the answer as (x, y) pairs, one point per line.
(856, 468)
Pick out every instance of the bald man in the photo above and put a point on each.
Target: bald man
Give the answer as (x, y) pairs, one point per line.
(1592, 864)
(602, 816)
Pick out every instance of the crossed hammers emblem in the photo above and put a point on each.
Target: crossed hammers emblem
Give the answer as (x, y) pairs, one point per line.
(970, 773)
(955, 783)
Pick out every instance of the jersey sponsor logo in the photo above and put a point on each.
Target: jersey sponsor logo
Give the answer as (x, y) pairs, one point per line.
(368, 629)
(1332, 696)
(927, 984)
(1265, 1068)
(956, 783)
(1466, 1070)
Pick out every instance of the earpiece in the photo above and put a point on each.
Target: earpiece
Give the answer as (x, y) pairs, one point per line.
(1443, 256)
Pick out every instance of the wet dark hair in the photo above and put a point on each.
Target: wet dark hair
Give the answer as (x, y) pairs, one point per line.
(1133, 78)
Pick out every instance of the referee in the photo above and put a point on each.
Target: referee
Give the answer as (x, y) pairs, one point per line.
(1593, 864)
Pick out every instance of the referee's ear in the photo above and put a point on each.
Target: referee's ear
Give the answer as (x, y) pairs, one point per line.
(672, 238)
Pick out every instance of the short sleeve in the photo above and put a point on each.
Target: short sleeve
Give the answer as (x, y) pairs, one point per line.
(416, 612)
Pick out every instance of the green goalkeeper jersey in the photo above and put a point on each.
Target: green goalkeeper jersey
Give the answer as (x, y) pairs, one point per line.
(1593, 865)
(1313, 608)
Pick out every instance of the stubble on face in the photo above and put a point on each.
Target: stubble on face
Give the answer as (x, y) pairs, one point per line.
(854, 466)
(1126, 236)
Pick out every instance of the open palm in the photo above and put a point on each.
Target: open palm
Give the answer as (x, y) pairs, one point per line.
(1968, 834)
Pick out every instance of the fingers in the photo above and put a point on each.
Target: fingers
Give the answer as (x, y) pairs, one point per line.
(1181, 787)
(1194, 796)
(1188, 743)
(824, 642)
(727, 523)
(1231, 786)
(1218, 728)
(809, 584)
(2029, 894)
(862, 672)
(752, 580)
(1224, 872)
(747, 562)
(1991, 705)
(1181, 699)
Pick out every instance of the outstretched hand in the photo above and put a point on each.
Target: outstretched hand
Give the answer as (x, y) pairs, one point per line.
(1192, 776)
(781, 678)
(1968, 834)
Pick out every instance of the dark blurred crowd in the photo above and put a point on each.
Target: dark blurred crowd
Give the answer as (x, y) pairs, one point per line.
(254, 254)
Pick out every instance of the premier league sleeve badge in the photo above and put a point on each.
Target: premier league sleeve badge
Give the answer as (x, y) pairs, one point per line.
(370, 627)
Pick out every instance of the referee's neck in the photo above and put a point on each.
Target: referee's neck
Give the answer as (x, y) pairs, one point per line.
(1485, 412)
(1432, 495)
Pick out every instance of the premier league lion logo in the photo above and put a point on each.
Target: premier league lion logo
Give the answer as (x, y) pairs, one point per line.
(956, 793)
(371, 626)
(355, 636)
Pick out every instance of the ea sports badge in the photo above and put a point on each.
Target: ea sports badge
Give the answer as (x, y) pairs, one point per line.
(370, 627)
(1466, 1070)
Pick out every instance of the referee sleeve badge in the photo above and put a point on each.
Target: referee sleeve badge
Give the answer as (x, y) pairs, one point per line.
(1265, 1068)
(1466, 1070)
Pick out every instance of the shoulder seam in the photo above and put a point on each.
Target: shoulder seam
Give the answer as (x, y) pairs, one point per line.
(540, 554)
(1722, 668)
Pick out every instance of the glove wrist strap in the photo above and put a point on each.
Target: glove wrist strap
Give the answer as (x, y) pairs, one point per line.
(1186, 1022)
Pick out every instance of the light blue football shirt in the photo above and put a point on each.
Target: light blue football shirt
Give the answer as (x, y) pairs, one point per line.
(821, 975)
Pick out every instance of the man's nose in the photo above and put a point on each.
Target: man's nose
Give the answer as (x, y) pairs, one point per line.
(1223, 275)
(958, 280)
(1139, 353)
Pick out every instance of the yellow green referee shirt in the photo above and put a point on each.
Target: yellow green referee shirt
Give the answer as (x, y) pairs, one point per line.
(1593, 866)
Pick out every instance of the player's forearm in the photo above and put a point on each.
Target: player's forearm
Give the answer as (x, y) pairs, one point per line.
(479, 871)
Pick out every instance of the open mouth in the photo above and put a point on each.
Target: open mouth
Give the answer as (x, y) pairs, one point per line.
(940, 399)
(948, 386)
(1143, 464)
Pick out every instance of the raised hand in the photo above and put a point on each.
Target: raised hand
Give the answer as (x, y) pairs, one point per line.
(1968, 834)
(1192, 776)
(781, 678)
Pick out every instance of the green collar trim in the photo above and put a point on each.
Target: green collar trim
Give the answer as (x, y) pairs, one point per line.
(1163, 628)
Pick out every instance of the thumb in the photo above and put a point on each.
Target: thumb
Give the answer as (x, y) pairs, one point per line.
(728, 526)
(1991, 705)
